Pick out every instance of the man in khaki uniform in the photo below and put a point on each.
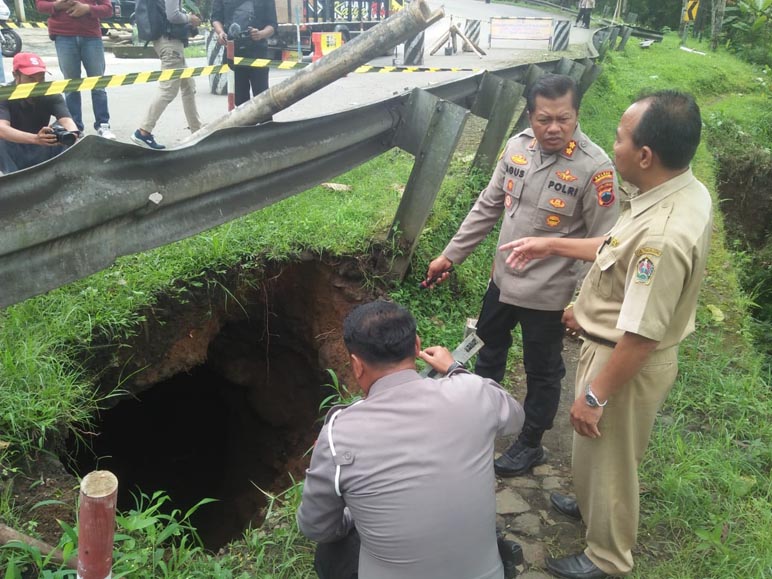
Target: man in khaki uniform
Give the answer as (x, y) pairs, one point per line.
(636, 305)
(550, 181)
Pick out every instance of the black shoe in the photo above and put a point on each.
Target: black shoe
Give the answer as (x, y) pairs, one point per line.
(566, 505)
(519, 459)
(511, 554)
(574, 567)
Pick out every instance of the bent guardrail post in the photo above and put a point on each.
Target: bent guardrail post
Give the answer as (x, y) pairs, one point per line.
(430, 131)
(393, 31)
(534, 73)
(496, 101)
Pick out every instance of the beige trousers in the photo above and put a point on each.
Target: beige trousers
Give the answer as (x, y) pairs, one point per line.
(605, 469)
(172, 54)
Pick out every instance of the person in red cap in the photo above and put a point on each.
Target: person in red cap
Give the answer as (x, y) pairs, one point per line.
(26, 138)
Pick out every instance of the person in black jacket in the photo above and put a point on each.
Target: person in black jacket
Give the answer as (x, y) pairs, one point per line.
(256, 20)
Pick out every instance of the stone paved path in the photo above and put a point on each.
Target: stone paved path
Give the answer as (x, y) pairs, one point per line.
(522, 503)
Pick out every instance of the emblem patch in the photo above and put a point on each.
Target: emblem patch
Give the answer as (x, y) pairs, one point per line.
(614, 242)
(553, 220)
(508, 200)
(519, 160)
(557, 203)
(647, 251)
(510, 185)
(644, 271)
(570, 148)
(566, 175)
(604, 185)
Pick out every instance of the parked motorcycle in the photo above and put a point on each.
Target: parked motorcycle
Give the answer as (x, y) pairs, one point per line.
(10, 41)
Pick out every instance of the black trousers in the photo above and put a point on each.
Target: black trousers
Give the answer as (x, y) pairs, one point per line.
(246, 77)
(542, 355)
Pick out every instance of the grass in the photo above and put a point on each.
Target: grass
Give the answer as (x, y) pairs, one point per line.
(706, 478)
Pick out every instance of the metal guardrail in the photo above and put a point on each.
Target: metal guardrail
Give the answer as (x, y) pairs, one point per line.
(74, 215)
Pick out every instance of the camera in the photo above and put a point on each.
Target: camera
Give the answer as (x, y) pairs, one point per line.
(65, 137)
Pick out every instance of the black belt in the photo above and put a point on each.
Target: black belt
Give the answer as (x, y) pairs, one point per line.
(601, 341)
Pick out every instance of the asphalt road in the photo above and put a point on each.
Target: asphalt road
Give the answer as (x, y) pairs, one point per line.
(129, 104)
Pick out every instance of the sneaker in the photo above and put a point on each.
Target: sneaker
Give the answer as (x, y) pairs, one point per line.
(146, 140)
(518, 460)
(105, 132)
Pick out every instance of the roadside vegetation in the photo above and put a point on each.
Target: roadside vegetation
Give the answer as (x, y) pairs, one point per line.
(707, 486)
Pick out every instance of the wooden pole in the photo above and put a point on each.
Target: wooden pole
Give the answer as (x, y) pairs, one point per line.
(96, 524)
(8, 535)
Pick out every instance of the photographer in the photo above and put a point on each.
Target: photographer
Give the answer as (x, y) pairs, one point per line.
(26, 138)
(170, 48)
(250, 23)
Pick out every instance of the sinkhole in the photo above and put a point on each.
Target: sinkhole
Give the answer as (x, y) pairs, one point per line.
(224, 401)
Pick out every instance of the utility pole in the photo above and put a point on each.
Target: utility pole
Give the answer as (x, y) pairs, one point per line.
(718, 8)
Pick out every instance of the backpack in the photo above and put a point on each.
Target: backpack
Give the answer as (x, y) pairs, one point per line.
(151, 21)
(150, 16)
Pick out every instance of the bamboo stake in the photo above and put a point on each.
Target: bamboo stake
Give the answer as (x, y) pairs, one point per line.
(96, 524)
(8, 535)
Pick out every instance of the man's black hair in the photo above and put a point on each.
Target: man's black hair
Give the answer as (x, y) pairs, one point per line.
(670, 127)
(381, 333)
(553, 86)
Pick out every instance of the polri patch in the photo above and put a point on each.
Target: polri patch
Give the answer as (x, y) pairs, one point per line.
(553, 220)
(644, 271)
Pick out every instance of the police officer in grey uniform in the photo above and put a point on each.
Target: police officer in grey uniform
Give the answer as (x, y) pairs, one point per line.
(409, 465)
(550, 181)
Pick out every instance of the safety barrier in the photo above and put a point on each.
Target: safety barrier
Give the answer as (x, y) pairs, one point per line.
(108, 25)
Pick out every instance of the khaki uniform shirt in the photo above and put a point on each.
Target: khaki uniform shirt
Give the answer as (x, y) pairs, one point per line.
(646, 276)
(572, 193)
(414, 467)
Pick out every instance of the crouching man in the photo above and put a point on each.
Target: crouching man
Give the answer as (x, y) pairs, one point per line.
(26, 138)
(407, 471)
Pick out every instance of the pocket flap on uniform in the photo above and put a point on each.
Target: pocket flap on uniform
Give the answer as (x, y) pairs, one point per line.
(606, 259)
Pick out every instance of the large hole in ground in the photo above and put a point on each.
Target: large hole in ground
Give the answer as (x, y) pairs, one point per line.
(239, 420)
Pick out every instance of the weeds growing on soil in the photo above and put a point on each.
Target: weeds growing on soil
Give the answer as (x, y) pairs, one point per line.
(706, 479)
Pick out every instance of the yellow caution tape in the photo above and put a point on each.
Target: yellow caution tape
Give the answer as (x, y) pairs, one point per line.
(21, 91)
(116, 25)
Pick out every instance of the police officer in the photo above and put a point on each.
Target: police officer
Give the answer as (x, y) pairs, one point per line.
(550, 181)
(410, 464)
(636, 304)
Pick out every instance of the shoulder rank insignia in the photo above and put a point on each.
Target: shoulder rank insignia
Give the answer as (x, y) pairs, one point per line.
(532, 144)
(519, 160)
(566, 175)
(570, 148)
(644, 271)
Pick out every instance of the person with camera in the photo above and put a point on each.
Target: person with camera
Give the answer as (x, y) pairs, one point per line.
(249, 23)
(26, 138)
(170, 48)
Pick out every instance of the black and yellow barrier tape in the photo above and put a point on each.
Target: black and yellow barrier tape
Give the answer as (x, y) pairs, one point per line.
(116, 25)
(22, 91)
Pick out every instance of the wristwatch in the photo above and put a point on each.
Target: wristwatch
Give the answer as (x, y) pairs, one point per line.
(591, 399)
(453, 367)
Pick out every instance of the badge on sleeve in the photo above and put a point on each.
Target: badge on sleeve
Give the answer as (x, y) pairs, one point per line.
(644, 271)
(604, 186)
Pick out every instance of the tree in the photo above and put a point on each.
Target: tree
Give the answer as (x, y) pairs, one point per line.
(718, 8)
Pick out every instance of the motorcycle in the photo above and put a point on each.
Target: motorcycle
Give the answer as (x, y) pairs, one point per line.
(10, 41)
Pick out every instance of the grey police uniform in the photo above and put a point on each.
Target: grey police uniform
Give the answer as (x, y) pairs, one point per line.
(571, 193)
(645, 280)
(411, 467)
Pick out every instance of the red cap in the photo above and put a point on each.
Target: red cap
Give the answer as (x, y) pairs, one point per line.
(28, 63)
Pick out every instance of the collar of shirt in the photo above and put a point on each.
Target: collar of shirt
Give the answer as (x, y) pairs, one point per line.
(392, 380)
(566, 153)
(643, 201)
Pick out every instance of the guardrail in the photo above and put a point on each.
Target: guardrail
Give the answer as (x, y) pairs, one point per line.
(74, 215)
